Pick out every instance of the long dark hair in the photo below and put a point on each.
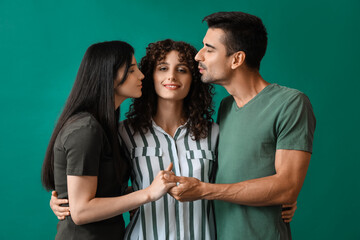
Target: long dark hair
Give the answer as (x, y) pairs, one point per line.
(198, 105)
(93, 92)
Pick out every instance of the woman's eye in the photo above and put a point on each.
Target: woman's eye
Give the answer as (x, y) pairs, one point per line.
(182, 70)
(162, 68)
(131, 70)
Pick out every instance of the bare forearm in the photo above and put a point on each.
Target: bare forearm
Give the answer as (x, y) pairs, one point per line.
(86, 208)
(98, 209)
(281, 188)
(265, 191)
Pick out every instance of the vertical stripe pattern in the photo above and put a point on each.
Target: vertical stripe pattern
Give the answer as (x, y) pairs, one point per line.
(151, 152)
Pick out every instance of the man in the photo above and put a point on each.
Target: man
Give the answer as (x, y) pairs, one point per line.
(266, 134)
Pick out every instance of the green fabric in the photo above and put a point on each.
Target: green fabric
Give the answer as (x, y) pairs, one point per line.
(81, 149)
(276, 118)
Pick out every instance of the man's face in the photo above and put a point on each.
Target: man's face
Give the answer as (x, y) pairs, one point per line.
(214, 64)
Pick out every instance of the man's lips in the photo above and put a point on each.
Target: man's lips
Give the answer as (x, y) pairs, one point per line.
(201, 68)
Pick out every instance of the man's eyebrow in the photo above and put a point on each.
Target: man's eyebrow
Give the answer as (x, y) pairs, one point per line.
(210, 46)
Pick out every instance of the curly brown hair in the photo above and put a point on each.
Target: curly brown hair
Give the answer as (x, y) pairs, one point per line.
(198, 105)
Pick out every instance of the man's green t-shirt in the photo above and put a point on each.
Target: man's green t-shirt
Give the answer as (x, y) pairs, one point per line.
(276, 118)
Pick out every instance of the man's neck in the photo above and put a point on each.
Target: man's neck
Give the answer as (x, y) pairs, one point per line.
(244, 86)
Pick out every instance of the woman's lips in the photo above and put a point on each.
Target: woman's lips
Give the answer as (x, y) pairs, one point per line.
(171, 86)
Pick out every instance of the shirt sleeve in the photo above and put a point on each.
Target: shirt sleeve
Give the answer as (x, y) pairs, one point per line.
(296, 124)
(83, 149)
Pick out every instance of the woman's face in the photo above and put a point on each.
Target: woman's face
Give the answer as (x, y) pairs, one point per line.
(172, 78)
(131, 87)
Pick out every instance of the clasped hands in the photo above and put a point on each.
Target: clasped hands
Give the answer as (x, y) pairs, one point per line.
(186, 189)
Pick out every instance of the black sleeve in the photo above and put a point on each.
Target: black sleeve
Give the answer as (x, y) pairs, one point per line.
(83, 149)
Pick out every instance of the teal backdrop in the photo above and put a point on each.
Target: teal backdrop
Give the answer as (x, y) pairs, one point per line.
(314, 46)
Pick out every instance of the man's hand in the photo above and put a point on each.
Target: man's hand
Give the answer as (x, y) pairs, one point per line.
(188, 189)
(55, 205)
(288, 211)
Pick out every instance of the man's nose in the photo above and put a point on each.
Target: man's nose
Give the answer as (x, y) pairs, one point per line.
(199, 56)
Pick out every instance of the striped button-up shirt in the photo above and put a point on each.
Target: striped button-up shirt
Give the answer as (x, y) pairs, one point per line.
(153, 151)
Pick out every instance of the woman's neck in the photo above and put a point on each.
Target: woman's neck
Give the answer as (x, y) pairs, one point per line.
(170, 115)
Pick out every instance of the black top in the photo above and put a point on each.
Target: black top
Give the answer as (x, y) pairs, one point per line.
(82, 149)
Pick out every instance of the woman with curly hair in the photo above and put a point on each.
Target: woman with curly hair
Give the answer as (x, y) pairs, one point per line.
(171, 123)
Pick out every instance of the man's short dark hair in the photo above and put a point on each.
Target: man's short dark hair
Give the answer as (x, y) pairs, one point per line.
(243, 32)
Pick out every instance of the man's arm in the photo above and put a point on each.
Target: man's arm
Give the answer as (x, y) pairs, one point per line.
(281, 188)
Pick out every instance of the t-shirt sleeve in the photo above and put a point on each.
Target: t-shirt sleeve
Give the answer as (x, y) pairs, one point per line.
(296, 124)
(83, 151)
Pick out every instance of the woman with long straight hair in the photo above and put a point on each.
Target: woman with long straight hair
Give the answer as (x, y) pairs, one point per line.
(84, 161)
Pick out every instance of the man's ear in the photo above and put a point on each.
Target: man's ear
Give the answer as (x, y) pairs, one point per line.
(238, 59)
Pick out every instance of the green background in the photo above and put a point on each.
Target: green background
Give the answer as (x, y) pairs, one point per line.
(313, 47)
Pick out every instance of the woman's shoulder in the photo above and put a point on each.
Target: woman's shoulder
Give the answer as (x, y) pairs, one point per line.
(124, 126)
(81, 122)
(214, 127)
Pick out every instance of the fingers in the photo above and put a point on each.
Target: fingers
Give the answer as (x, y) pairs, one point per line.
(170, 185)
(172, 178)
(287, 218)
(289, 205)
(55, 204)
(55, 201)
(60, 201)
(169, 167)
(62, 212)
(174, 193)
(288, 214)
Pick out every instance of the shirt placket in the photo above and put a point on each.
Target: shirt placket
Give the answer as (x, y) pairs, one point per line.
(177, 171)
(176, 167)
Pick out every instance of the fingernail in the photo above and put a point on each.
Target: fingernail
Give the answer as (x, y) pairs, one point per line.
(166, 175)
